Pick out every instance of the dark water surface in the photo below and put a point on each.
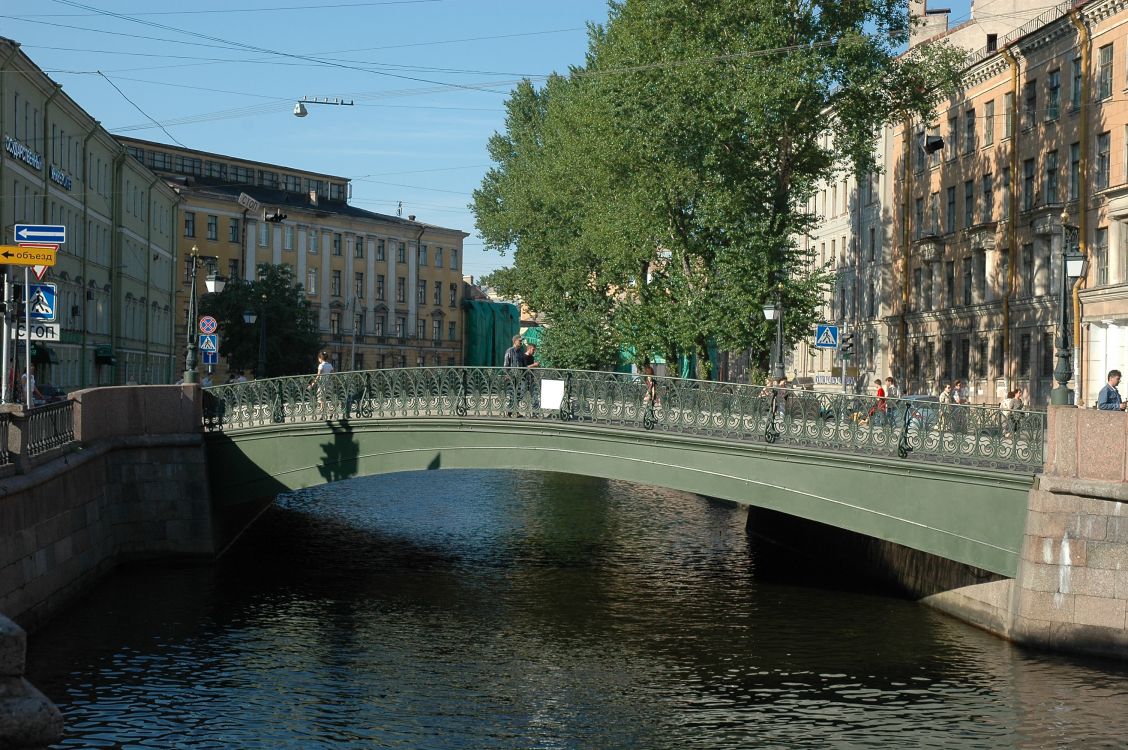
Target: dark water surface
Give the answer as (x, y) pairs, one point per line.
(475, 609)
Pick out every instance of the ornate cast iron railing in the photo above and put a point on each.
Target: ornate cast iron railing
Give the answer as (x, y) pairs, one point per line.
(45, 428)
(925, 429)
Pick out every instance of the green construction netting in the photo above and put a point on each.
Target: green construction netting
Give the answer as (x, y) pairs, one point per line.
(490, 328)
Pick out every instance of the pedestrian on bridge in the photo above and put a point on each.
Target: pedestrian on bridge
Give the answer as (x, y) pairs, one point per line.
(324, 368)
(514, 359)
(1109, 398)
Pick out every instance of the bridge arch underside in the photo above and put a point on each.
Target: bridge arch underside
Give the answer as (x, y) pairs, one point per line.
(972, 516)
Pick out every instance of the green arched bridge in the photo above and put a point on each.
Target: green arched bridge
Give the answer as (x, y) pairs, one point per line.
(948, 480)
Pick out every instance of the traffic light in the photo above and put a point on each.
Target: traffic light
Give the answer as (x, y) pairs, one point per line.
(847, 348)
(275, 217)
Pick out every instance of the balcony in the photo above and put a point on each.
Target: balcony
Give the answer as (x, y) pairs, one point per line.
(930, 247)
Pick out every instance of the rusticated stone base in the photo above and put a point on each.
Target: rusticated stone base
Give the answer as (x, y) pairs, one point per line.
(27, 718)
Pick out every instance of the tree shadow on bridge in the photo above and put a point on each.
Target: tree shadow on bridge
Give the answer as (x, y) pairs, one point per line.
(341, 454)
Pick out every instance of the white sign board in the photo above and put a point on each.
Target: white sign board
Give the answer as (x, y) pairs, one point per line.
(249, 203)
(552, 393)
(39, 331)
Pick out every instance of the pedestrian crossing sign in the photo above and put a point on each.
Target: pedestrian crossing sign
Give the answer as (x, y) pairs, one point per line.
(826, 336)
(209, 342)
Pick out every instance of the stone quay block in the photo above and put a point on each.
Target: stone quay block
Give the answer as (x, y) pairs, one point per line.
(1108, 555)
(1099, 611)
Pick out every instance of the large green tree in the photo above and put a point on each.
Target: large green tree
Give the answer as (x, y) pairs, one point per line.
(290, 324)
(652, 197)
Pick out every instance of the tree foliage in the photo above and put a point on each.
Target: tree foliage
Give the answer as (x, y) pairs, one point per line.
(652, 197)
(291, 325)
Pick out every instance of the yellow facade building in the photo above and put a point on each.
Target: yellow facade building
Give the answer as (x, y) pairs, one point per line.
(387, 290)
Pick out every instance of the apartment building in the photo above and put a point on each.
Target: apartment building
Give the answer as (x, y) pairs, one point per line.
(387, 290)
(1036, 136)
(115, 274)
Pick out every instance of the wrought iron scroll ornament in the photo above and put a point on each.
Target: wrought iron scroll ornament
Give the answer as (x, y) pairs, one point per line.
(964, 434)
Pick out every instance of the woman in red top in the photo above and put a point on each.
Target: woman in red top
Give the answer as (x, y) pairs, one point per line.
(880, 405)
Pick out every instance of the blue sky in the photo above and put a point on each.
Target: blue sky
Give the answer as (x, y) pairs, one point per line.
(428, 77)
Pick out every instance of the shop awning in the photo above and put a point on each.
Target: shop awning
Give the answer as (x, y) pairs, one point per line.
(43, 355)
(104, 355)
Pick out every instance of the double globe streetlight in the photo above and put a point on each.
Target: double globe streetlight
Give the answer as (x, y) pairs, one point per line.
(1073, 263)
(214, 283)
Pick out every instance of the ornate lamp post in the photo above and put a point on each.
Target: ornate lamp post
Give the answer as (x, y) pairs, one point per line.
(214, 283)
(249, 317)
(1073, 264)
(774, 311)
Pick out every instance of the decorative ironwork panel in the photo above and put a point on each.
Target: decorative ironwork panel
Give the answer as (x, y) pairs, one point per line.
(983, 436)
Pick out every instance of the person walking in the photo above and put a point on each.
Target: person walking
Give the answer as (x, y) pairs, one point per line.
(879, 407)
(1109, 398)
(514, 359)
(324, 367)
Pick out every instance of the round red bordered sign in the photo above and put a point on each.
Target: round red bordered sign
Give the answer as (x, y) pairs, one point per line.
(208, 324)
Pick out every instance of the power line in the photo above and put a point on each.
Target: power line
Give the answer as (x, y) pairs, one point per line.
(146, 114)
(271, 9)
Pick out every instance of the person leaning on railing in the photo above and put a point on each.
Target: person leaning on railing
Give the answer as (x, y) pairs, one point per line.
(1109, 398)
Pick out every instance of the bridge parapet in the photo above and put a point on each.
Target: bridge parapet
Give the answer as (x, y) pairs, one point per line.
(980, 436)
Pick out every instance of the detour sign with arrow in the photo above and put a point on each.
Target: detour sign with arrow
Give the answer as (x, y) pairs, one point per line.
(16, 255)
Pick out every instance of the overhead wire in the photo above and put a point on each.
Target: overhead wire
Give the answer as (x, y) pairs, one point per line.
(270, 9)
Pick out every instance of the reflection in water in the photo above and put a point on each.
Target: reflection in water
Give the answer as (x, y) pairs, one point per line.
(478, 609)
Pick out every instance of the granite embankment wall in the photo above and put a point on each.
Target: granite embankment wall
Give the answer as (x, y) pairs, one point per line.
(132, 486)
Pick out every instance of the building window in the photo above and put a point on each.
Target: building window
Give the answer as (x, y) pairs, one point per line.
(965, 271)
(1027, 184)
(454, 259)
(1074, 170)
(420, 331)
(953, 143)
(288, 237)
(232, 230)
(421, 292)
(1052, 177)
(981, 357)
(380, 250)
(401, 252)
(378, 326)
(421, 255)
(189, 224)
(358, 284)
(268, 179)
(1024, 355)
(950, 283)
(436, 330)
(980, 275)
(401, 327)
(1006, 192)
(1075, 91)
(311, 280)
(1008, 114)
(335, 322)
(989, 123)
(969, 203)
(438, 257)
(1053, 95)
(950, 215)
(264, 234)
(969, 131)
(291, 183)
(438, 293)
(1100, 251)
(232, 269)
(380, 286)
(918, 224)
(946, 365)
(451, 331)
(1029, 104)
(336, 243)
(1047, 355)
(335, 284)
(933, 216)
(1104, 147)
(1104, 72)
(453, 290)
(1028, 270)
(358, 247)
(213, 227)
(988, 198)
(401, 289)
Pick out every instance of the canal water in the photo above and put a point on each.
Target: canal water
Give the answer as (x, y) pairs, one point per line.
(488, 609)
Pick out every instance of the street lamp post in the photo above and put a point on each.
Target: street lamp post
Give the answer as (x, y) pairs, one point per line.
(774, 311)
(249, 317)
(1072, 266)
(214, 283)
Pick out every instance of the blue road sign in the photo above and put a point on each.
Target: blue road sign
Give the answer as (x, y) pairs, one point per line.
(209, 342)
(41, 302)
(52, 234)
(826, 336)
(211, 358)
